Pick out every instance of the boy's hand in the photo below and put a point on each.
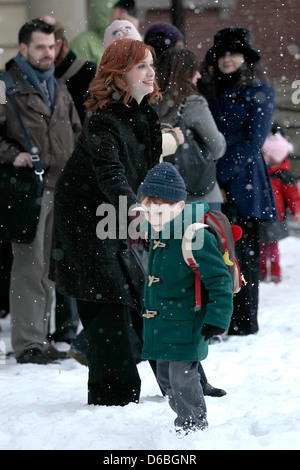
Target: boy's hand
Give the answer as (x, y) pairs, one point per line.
(208, 331)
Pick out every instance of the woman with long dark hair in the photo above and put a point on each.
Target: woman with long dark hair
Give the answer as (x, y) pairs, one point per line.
(242, 103)
(120, 142)
(177, 76)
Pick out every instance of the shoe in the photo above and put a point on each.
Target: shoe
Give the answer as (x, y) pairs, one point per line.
(275, 273)
(3, 313)
(210, 391)
(34, 356)
(182, 431)
(53, 353)
(39, 356)
(78, 356)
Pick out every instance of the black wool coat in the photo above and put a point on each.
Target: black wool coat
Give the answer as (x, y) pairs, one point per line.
(117, 147)
(79, 83)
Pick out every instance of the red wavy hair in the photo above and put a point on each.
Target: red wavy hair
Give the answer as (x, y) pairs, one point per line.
(110, 83)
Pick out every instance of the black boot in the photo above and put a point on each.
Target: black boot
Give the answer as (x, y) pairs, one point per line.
(209, 390)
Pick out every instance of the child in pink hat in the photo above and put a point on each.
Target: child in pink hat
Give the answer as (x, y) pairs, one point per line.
(120, 29)
(276, 150)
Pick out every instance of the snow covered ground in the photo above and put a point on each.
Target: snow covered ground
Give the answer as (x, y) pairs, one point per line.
(44, 407)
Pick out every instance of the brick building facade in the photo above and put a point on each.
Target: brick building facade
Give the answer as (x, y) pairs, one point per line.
(275, 30)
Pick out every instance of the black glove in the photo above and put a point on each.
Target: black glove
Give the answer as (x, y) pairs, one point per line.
(208, 331)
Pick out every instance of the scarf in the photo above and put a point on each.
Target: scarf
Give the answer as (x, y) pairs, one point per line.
(226, 81)
(35, 77)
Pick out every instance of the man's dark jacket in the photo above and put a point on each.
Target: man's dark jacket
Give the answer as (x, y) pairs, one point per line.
(78, 84)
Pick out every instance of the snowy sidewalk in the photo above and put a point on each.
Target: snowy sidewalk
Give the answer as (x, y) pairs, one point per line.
(44, 407)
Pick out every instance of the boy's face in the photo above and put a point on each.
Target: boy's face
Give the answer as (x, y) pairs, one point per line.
(160, 214)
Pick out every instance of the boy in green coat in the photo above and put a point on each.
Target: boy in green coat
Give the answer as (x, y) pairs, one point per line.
(176, 333)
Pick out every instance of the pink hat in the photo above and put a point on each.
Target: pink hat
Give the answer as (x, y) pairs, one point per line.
(120, 29)
(277, 147)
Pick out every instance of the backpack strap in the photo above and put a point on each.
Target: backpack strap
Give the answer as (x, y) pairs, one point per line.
(187, 252)
(226, 254)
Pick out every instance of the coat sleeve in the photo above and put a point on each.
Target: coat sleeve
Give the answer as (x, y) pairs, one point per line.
(292, 197)
(198, 117)
(216, 280)
(105, 147)
(247, 147)
(74, 118)
(8, 150)
(169, 145)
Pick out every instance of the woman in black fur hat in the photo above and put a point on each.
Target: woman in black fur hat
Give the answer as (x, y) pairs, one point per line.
(242, 104)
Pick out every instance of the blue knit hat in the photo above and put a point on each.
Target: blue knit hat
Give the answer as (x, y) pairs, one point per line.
(163, 181)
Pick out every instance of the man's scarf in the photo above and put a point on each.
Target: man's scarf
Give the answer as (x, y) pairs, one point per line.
(35, 77)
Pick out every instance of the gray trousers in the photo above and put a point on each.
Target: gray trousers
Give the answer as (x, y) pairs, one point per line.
(181, 382)
(31, 291)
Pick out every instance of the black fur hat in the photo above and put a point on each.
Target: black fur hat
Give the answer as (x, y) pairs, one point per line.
(232, 39)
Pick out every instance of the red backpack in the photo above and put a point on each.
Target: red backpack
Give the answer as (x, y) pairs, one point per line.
(226, 234)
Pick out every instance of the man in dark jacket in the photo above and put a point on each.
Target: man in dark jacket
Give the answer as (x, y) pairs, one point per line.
(77, 73)
(53, 124)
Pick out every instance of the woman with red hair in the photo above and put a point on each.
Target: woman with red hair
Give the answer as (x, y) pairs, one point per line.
(120, 141)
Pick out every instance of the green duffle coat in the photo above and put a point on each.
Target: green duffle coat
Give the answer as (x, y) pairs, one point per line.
(174, 332)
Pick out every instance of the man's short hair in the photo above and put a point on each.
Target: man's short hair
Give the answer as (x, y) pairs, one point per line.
(32, 26)
(128, 5)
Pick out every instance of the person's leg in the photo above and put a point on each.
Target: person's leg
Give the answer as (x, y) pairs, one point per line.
(113, 375)
(181, 382)
(275, 262)
(6, 258)
(66, 318)
(244, 319)
(263, 261)
(31, 291)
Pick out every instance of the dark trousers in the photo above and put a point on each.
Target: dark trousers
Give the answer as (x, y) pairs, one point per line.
(244, 320)
(6, 258)
(66, 318)
(181, 382)
(113, 375)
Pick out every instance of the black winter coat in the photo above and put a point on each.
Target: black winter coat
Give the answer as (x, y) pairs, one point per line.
(79, 83)
(116, 148)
